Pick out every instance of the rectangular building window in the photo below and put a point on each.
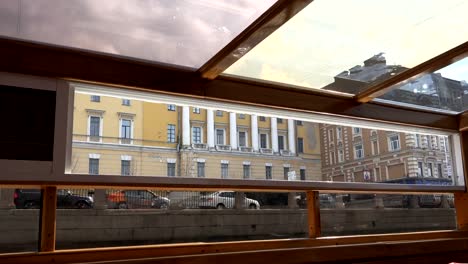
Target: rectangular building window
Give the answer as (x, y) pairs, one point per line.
(358, 152)
(94, 128)
(302, 173)
(246, 170)
(125, 167)
(300, 145)
(171, 107)
(263, 141)
(356, 130)
(375, 147)
(201, 169)
(394, 142)
(330, 135)
(242, 139)
(298, 123)
(171, 133)
(340, 155)
(285, 172)
(262, 118)
(430, 172)
(219, 113)
(219, 136)
(95, 98)
(171, 169)
(196, 135)
(241, 116)
(420, 169)
(280, 120)
(339, 133)
(417, 140)
(196, 110)
(268, 172)
(126, 131)
(280, 142)
(224, 170)
(126, 102)
(439, 170)
(94, 166)
(332, 157)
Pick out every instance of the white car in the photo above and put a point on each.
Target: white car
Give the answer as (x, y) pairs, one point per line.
(226, 199)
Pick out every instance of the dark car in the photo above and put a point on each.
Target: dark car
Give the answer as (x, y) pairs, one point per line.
(31, 198)
(136, 199)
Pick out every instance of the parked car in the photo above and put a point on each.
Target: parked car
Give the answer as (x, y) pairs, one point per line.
(226, 199)
(136, 199)
(31, 198)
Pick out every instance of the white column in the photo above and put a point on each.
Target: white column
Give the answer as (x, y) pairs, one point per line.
(254, 132)
(291, 136)
(210, 127)
(233, 130)
(185, 126)
(274, 134)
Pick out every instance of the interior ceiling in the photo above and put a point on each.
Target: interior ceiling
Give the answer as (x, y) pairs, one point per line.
(158, 43)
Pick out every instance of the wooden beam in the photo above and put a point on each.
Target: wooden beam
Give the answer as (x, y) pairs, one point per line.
(463, 121)
(129, 252)
(260, 29)
(313, 213)
(48, 216)
(186, 183)
(428, 66)
(48, 61)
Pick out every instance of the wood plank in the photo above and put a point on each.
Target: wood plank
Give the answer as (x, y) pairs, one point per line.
(313, 213)
(428, 66)
(159, 182)
(116, 253)
(260, 29)
(48, 217)
(47, 61)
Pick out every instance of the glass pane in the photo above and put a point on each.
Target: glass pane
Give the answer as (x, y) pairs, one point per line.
(360, 214)
(137, 217)
(345, 46)
(445, 89)
(183, 32)
(162, 144)
(19, 219)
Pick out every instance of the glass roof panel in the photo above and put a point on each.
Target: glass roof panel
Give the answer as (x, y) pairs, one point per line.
(443, 90)
(345, 46)
(181, 32)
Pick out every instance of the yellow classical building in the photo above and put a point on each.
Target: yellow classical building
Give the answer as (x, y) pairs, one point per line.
(129, 137)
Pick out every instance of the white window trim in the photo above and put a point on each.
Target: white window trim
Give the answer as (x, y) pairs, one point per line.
(167, 134)
(286, 165)
(125, 157)
(285, 141)
(355, 151)
(340, 160)
(389, 143)
(199, 160)
(88, 133)
(260, 140)
(268, 164)
(131, 130)
(246, 163)
(375, 151)
(246, 138)
(94, 156)
(358, 133)
(224, 136)
(201, 135)
(224, 161)
(330, 135)
(169, 160)
(196, 110)
(339, 135)
(332, 157)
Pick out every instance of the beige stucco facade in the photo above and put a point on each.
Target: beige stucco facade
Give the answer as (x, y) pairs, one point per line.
(150, 152)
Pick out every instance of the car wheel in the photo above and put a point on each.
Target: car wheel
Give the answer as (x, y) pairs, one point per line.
(164, 206)
(122, 205)
(220, 207)
(252, 206)
(82, 205)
